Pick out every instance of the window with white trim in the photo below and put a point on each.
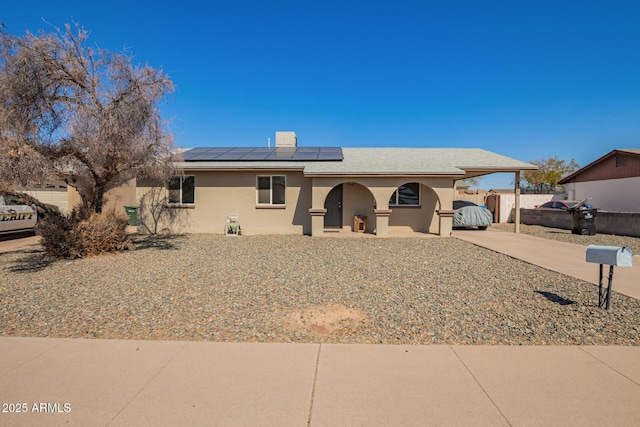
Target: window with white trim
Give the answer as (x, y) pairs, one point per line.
(406, 195)
(270, 190)
(181, 190)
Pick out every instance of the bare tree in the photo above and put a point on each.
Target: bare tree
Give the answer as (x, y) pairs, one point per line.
(154, 214)
(82, 115)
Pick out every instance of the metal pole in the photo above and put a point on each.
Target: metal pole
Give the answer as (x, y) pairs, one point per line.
(600, 295)
(609, 288)
(517, 212)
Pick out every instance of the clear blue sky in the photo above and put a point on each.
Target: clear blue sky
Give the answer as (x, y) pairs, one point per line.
(526, 80)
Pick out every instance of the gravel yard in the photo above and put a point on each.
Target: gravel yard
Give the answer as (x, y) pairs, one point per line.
(302, 289)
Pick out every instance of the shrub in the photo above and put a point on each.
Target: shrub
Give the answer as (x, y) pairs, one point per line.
(101, 233)
(58, 235)
(79, 235)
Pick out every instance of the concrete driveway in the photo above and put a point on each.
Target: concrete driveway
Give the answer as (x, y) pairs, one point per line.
(19, 241)
(565, 258)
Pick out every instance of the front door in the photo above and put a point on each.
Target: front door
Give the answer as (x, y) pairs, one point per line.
(333, 205)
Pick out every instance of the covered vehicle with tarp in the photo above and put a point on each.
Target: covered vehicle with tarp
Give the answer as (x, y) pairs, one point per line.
(468, 214)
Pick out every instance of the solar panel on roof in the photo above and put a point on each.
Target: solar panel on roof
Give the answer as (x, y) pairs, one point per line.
(200, 156)
(203, 153)
(279, 155)
(257, 154)
(198, 150)
(228, 156)
(301, 156)
(193, 152)
(330, 153)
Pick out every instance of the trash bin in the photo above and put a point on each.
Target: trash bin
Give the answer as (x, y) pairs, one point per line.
(132, 213)
(584, 221)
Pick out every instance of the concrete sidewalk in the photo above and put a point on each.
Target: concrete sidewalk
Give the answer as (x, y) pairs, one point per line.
(565, 258)
(77, 382)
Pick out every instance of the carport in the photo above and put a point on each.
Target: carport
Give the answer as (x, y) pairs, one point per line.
(384, 173)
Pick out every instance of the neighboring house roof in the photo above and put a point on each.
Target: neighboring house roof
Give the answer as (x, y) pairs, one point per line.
(589, 172)
(384, 161)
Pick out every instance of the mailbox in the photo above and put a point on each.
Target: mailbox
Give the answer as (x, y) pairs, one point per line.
(610, 255)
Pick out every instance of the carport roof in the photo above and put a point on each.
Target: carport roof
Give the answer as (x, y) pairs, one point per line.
(385, 161)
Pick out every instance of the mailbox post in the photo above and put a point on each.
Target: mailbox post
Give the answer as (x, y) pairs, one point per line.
(611, 256)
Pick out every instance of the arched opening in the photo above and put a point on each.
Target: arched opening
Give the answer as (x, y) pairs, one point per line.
(406, 195)
(346, 201)
(413, 206)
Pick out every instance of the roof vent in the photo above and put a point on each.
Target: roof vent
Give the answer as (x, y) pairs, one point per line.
(286, 139)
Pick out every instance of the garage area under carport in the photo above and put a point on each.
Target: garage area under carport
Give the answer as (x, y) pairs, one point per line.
(341, 190)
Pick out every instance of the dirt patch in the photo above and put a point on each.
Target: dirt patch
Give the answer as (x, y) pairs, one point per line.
(328, 319)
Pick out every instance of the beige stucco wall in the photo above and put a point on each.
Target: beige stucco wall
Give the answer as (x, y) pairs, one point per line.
(617, 195)
(116, 199)
(421, 218)
(52, 196)
(219, 194)
(527, 201)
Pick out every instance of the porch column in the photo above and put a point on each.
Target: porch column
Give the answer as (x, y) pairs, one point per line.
(317, 221)
(446, 221)
(517, 212)
(382, 221)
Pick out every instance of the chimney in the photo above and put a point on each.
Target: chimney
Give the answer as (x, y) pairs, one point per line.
(286, 139)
